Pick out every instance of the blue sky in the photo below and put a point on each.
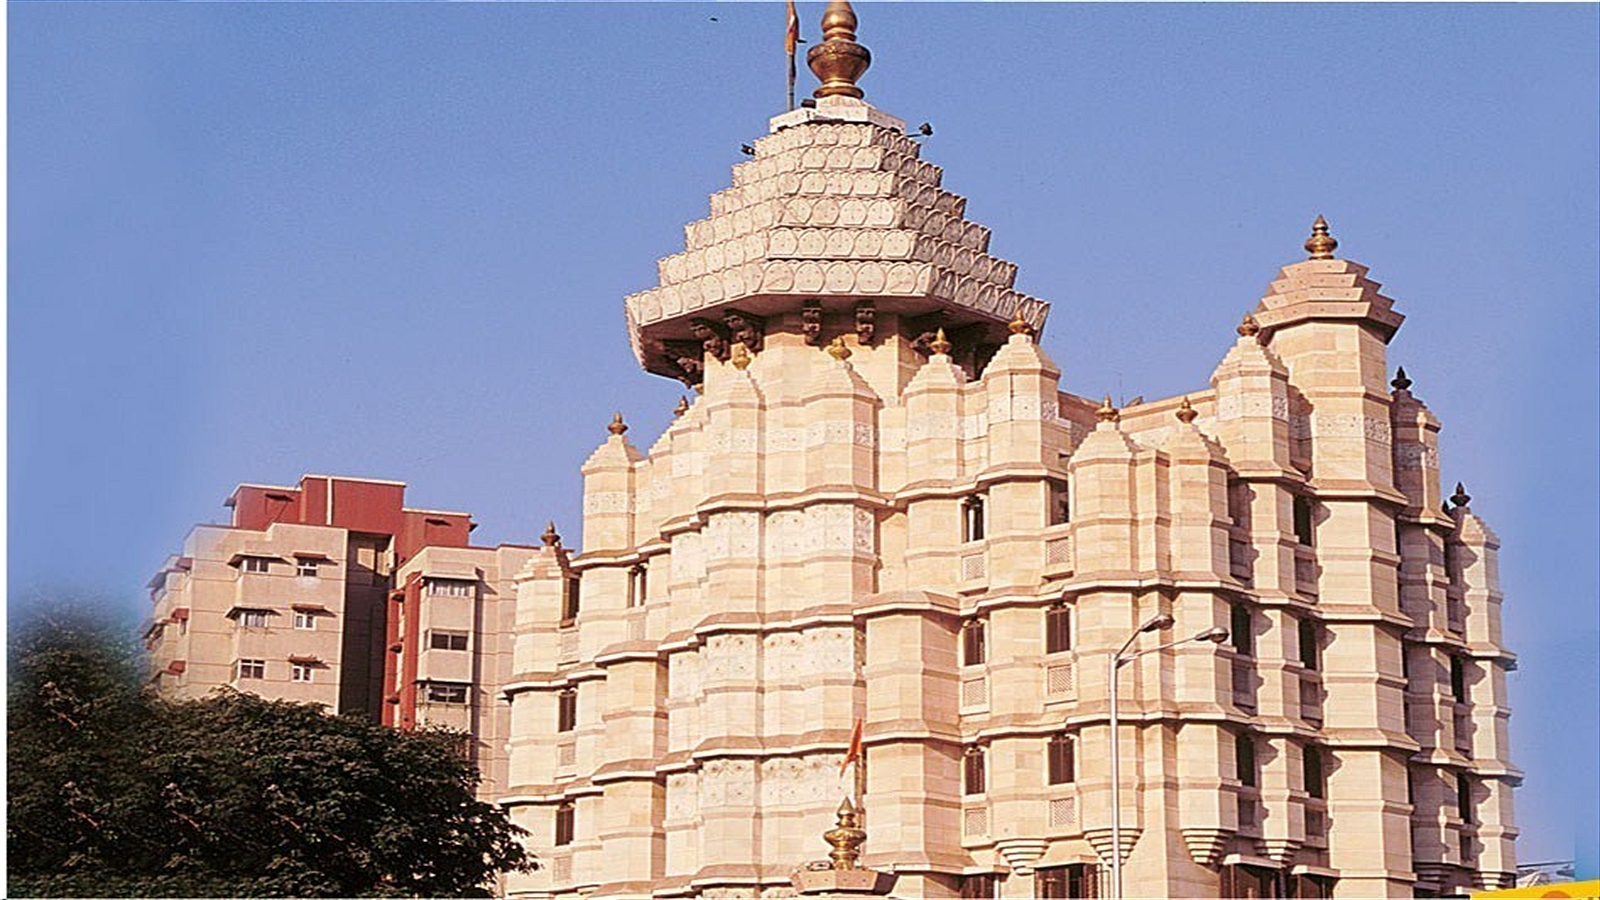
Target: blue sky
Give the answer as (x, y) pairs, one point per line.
(253, 240)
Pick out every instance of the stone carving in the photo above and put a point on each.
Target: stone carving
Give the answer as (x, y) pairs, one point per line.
(1415, 456)
(811, 322)
(866, 317)
(713, 337)
(687, 358)
(745, 328)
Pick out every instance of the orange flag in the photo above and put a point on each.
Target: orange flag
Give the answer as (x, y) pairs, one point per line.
(854, 753)
(792, 37)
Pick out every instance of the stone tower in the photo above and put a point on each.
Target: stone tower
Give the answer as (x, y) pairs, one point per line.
(882, 506)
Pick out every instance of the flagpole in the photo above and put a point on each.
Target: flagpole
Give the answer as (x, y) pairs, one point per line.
(791, 37)
(791, 79)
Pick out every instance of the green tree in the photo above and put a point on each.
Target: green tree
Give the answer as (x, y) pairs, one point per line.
(114, 792)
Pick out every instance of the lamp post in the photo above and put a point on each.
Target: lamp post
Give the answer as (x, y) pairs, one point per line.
(1119, 659)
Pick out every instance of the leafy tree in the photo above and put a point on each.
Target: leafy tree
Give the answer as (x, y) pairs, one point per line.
(114, 792)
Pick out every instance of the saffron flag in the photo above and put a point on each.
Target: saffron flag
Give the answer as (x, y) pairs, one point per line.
(792, 36)
(854, 753)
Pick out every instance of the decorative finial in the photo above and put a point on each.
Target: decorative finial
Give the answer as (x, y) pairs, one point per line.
(846, 838)
(681, 408)
(1186, 412)
(940, 344)
(1248, 327)
(1019, 325)
(1321, 244)
(838, 61)
(838, 350)
(1400, 382)
(1460, 498)
(550, 538)
(741, 356)
(617, 426)
(1107, 412)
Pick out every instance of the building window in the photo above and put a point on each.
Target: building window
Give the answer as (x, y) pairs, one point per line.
(571, 600)
(299, 671)
(260, 565)
(1076, 880)
(306, 568)
(305, 621)
(565, 815)
(1314, 887)
(452, 587)
(1250, 882)
(567, 709)
(252, 618)
(977, 887)
(638, 585)
(1058, 629)
(1063, 769)
(1464, 798)
(250, 669)
(1303, 531)
(1240, 630)
(1308, 643)
(1244, 759)
(1060, 503)
(972, 771)
(1458, 680)
(439, 639)
(972, 519)
(1311, 763)
(447, 693)
(974, 642)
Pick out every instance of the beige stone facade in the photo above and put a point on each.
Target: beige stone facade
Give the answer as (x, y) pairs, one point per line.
(333, 592)
(883, 505)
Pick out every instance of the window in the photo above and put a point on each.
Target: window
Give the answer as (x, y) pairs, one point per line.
(1464, 798)
(1058, 629)
(977, 887)
(972, 773)
(567, 709)
(1244, 759)
(1458, 680)
(306, 568)
(972, 519)
(451, 587)
(1249, 882)
(1060, 503)
(447, 693)
(638, 585)
(565, 814)
(250, 668)
(257, 564)
(1411, 786)
(974, 642)
(1313, 887)
(1311, 763)
(299, 671)
(571, 600)
(1240, 631)
(439, 639)
(1062, 764)
(1076, 880)
(1452, 560)
(305, 621)
(1308, 643)
(252, 618)
(1303, 531)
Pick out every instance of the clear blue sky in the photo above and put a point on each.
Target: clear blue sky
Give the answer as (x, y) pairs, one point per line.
(253, 240)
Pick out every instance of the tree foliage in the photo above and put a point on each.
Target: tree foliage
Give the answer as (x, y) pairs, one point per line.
(114, 792)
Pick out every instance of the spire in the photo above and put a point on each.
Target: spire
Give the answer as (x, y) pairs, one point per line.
(1186, 412)
(838, 350)
(939, 345)
(1321, 244)
(1107, 412)
(1400, 382)
(681, 408)
(1460, 498)
(550, 538)
(1248, 327)
(838, 61)
(617, 426)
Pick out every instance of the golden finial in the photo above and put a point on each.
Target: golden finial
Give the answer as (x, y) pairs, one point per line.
(846, 838)
(550, 538)
(1186, 412)
(617, 426)
(1400, 382)
(741, 356)
(1248, 327)
(1019, 325)
(1107, 412)
(1321, 244)
(682, 407)
(1460, 498)
(838, 350)
(939, 344)
(838, 61)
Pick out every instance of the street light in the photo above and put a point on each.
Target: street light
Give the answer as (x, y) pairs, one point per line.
(1119, 659)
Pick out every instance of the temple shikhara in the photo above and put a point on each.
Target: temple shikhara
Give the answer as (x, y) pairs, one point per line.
(884, 506)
